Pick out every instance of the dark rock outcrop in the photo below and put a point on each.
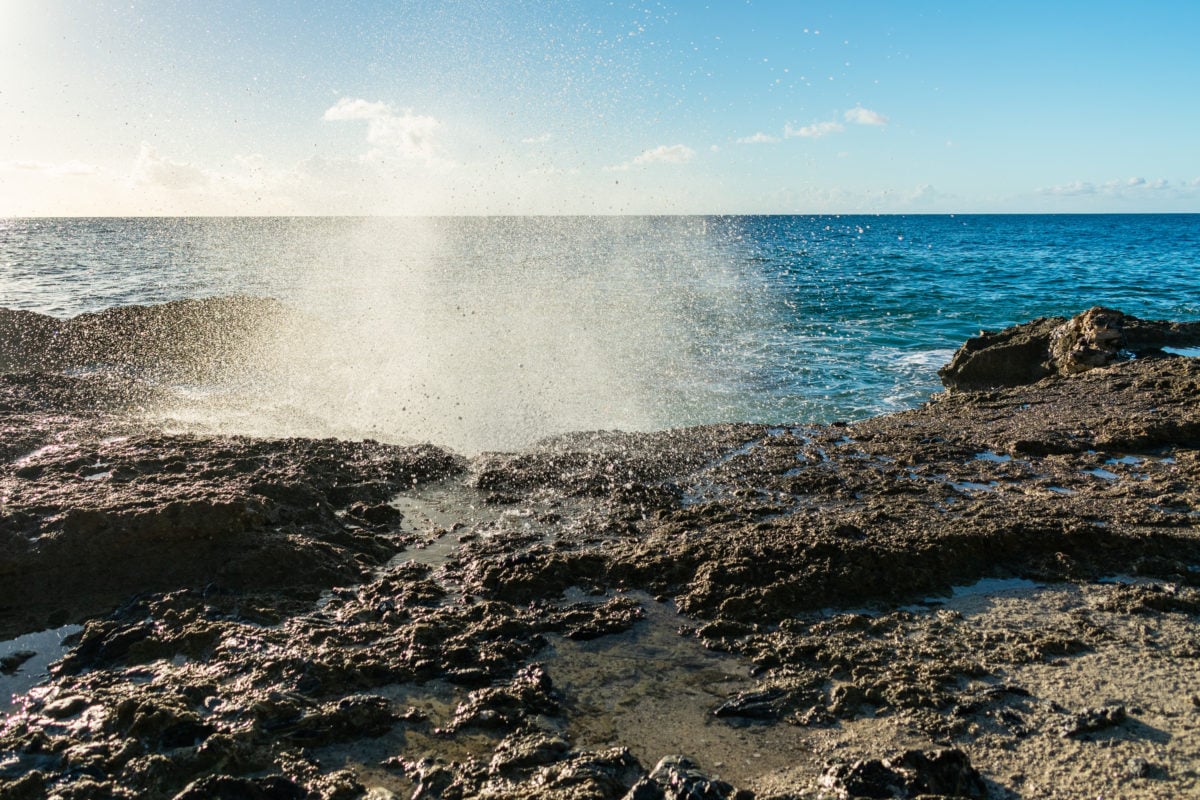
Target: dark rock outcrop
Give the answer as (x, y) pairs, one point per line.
(1011, 357)
(940, 773)
(680, 778)
(1034, 350)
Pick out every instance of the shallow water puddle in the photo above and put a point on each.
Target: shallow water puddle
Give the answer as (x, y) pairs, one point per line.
(44, 450)
(804, 435)
(969, 487)
(652, 690)
(45, 646)
(1131, 461)
(1102, 473)
(434, 703)
(439, 519)
(965, 598)
(438, 514)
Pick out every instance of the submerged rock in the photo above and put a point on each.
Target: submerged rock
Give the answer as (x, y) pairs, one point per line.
(227, 787)
(11, 662)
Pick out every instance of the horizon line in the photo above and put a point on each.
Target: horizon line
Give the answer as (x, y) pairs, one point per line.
(622, 215)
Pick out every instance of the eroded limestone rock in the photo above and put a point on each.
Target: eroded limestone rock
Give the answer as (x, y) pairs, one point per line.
(1049, 346)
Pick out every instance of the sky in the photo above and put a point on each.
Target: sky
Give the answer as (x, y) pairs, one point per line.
(242, 107)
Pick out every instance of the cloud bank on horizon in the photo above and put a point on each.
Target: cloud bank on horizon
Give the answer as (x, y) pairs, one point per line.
(484, 107)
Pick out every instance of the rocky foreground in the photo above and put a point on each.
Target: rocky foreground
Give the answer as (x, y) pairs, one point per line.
(718, 612)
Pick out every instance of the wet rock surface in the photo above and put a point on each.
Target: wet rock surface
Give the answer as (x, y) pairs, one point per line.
(329, 619)
(84, 519)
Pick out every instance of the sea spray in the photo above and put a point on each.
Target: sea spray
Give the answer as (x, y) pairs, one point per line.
(637, 321)
(486, 333)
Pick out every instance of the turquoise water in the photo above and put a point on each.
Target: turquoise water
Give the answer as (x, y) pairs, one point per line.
(491, 331)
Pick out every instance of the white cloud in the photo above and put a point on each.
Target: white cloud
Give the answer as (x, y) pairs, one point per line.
(663, 154)
(864, 116)
(407, 134)
(1072, 189)
(855, 116)
(150, 168)
(666, 154)
(758, 138)
(356, 108)
(814, 131)
(1120, 187)
(60, 169)
(926, 195)
(542, 139)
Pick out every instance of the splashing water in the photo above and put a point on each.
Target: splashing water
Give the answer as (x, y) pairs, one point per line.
(484, 334)
(489, 333)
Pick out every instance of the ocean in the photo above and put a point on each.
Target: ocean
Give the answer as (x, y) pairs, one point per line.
(490, 333)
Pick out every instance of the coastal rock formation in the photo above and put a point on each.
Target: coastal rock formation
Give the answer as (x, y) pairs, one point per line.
(776, 610)
(85, 518)
(1095, 338)
(182, 337)
(1056, 346)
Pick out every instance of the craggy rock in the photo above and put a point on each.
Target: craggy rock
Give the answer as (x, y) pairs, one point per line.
(1095, 338)
(552, 774)
(323, 619)
(1150, 598)
(1094, 719)
(226, 787)
(26, 339)
(1048, 346)
(627, 465)
(92, 519)
(680, 778)
(1038, 480)
(943, 773)
(196, 338)
(1011, 357)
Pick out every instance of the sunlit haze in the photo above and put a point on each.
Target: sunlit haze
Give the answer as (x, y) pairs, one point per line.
(478, 107)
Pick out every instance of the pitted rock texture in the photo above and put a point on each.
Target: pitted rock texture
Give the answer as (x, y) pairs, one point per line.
(327, 619)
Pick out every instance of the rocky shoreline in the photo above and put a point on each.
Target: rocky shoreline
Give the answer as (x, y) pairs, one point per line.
(713, 612)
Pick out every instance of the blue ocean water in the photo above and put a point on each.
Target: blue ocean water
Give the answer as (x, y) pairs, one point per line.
(491, 331)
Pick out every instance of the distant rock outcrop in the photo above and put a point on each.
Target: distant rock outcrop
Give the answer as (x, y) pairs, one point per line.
(1049, 346)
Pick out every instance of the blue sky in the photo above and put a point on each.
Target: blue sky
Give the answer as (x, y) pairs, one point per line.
(597, 107)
